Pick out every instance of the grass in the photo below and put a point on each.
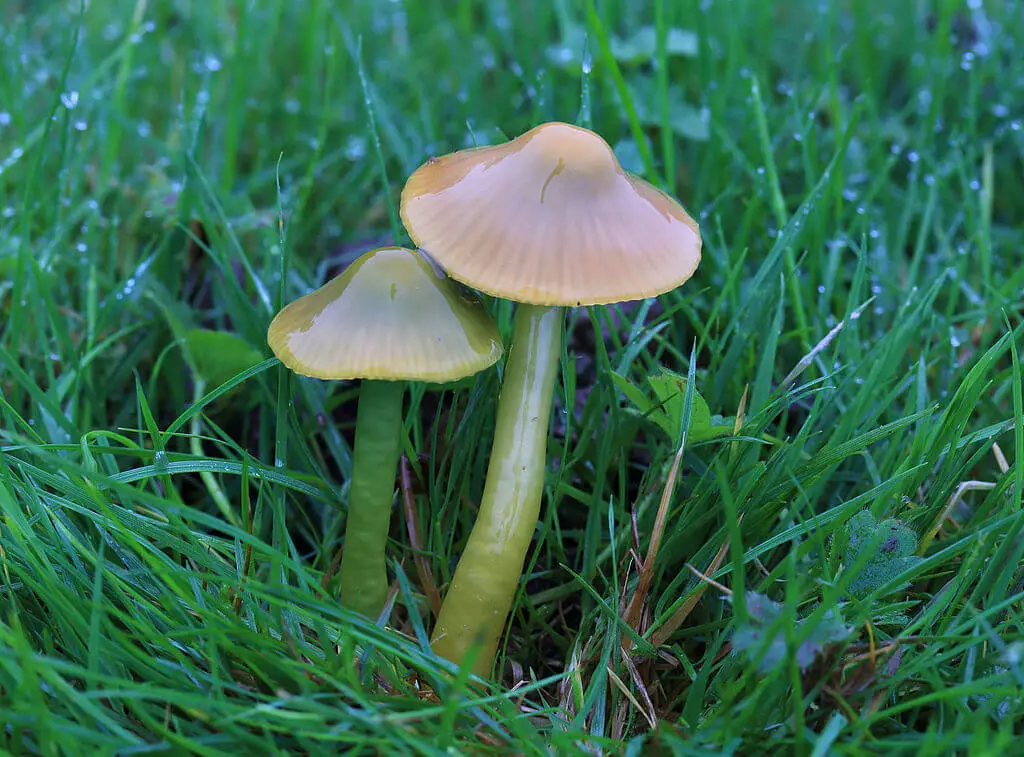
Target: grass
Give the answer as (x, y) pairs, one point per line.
(168, 537)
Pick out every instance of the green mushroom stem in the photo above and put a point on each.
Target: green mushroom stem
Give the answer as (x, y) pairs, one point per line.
(485, 582)
(364, 581)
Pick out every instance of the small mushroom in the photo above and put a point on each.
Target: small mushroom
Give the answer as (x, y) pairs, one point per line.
(548, 220)
(390, 317)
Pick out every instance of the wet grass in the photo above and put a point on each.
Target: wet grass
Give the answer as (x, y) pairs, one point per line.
(170, 512)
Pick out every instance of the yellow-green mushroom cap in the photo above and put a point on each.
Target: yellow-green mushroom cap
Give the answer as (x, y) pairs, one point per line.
(390, 316)
(550, 218)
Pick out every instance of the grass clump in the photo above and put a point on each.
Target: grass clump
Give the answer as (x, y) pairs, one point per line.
(169, 527)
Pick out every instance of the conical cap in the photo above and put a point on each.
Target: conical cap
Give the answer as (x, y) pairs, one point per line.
(389, 316)
(550, 218)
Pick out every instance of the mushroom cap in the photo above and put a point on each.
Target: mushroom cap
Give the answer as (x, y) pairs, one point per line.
(550, 218)
(390, 315)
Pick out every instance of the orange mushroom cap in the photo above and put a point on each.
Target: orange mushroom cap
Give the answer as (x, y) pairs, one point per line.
(389, 316)
(550, 218)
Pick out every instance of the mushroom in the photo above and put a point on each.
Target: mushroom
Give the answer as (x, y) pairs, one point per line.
(389, 318)
(549, 220)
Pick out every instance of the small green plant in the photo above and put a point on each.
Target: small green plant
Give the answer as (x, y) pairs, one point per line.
(219, 356)
(892, 546)
(763, 636)
(663, 406)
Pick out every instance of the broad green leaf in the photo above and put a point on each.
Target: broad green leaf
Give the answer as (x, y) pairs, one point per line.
(670, 390)
(217, 356)
(664, 405)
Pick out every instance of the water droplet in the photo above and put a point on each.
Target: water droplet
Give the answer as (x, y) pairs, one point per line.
(929, 179)
(9, 212)
(81, 125)
(562, 55)
(355, 148)
(1000, 111)
(1015, 125)
(967, 61)
(975, 185)
(5, 118)
(913, 157)
(291, 105)
(69, 99)
(821, 289)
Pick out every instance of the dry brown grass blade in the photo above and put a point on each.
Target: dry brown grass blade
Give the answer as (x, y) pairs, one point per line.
(962, 488)
(649, 716)
(997, 452)
(641, 686)
(671, 625)
(807, 359)
(643, 585)
(423, 571)
(721, 587)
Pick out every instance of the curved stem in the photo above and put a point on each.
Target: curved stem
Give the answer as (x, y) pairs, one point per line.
(196, 445)
(364, 579)
(485, 582)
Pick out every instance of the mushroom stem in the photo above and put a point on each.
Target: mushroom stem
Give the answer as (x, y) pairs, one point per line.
(485, 581)
(364, 581)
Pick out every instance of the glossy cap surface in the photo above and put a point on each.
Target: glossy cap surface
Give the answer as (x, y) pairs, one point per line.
(550, 218)
(389, 316)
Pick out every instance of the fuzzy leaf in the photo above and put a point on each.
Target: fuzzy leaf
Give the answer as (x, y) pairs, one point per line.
(761, 642)
(892, 545)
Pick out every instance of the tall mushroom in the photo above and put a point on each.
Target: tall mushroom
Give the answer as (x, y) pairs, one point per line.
(549, 220)
(389, 318)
